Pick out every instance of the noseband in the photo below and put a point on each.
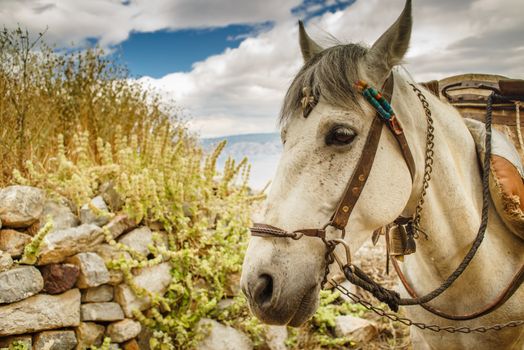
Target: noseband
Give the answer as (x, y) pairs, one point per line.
(410, 226)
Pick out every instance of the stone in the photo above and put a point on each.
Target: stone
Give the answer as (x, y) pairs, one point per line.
(59, 245)
(9, 342)
(120, 224)
(138, 239)
(124, 330)
(356, 328)
(5, 261)
(89, 334)
(131, 345)
(41, 312)
(55, 340)
(276, 337)
(59, 278)
(20, 283)
(13, 242)
(225, 303)
(20, 206)
(155, 279)
(87, 216)
(108, 253)
(98, 294)
(143, 339)
(111, 196)
(220, 337)
(93, 270)
(62, 216)
(104, 312)
(232, 287)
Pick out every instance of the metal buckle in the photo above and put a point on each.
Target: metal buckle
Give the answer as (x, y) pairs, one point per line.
(348, 253)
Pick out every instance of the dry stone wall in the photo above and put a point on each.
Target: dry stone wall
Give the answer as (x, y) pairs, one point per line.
(63, 296)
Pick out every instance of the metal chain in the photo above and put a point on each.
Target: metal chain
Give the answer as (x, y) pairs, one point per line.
(428, 161)
(432, 327)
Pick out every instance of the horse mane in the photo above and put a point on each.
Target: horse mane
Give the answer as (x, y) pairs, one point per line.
(330, 75)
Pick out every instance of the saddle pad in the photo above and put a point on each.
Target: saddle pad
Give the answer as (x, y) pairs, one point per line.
(506, 180)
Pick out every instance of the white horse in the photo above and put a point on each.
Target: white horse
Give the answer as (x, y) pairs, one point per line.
(281, 277)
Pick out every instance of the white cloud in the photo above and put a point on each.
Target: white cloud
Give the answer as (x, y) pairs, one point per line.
(111, 21)
(240, 90)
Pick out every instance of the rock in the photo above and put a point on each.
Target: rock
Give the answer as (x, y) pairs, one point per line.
(55, 340)
(62, 216)
(225, 303)
(111, 196)
(5, 261)
(58, 245)
(108, 253)
(357, 329)
(276, 337)
(98, 294)
(155, 279)
(41, 312)
(120, 224)
(124, 330)
(93, 270)
(131, 345)
(143, 338)
(138, 239)
(9, 342)
(20, 206)
(103, 312)
(220, 337)
(89, 334)
(232, 287)
(20, 283)
(114, 346)
(87, 216)
(13, 242)
(59, 278)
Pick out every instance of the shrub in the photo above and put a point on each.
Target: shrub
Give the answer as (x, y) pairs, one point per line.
(44, 93)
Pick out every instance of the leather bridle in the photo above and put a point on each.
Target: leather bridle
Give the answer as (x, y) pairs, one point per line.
(353, 190)
(356, 183)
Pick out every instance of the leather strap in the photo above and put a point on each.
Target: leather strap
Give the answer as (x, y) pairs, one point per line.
(360, 175)
(515, 283)
(264, 230)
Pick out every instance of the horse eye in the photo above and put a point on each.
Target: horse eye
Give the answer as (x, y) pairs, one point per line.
(340, 136)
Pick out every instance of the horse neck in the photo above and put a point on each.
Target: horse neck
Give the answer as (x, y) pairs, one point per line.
(451, 212)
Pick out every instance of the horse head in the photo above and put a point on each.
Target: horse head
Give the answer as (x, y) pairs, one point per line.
(324, 126)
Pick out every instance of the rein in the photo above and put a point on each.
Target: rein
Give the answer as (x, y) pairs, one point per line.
(409, 226)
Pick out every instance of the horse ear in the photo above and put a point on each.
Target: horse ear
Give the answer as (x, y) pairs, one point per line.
(308, 47)
(390, 48)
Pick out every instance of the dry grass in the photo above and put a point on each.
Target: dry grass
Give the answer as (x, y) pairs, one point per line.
(44, 94)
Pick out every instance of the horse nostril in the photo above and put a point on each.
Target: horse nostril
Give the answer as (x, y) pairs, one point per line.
(263, 289)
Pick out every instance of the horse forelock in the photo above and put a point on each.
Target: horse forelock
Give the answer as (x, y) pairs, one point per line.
(331, 75)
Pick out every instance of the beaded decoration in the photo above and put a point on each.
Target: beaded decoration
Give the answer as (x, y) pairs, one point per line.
(380, 104)
(308, 101)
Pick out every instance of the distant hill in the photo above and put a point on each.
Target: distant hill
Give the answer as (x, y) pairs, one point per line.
(263, 152)
(247, 145)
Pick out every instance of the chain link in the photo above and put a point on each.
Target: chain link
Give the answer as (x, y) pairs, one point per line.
(432, 327)
(428, 161)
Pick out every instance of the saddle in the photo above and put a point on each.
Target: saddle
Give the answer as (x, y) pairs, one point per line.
(506, 178)
(469, 94)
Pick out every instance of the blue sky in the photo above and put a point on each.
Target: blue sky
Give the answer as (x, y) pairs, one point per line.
(228, 63)
(162, 52)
